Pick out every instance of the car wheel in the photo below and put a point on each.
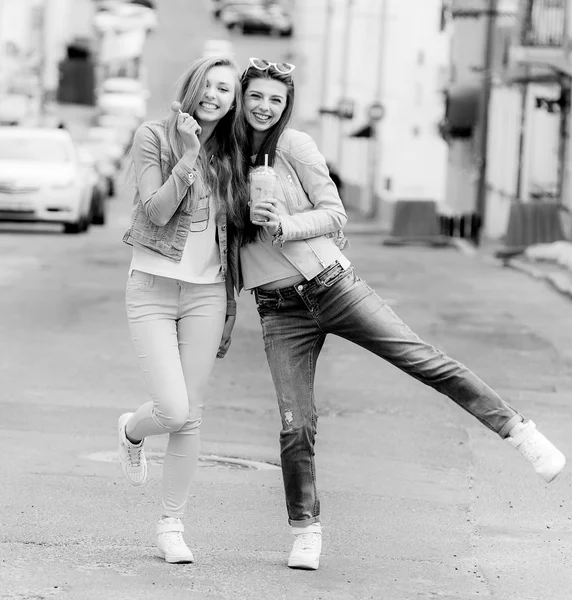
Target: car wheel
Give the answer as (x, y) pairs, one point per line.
(99, 214)
(73, 228)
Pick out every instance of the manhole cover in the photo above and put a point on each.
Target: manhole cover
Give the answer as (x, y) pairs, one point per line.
(205, 460)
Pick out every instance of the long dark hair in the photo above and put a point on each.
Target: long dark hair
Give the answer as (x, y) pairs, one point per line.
(270, 141)
(221, 160)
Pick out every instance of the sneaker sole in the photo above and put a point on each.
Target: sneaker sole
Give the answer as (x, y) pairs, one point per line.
(174, 560)
(305, 566)
(557, 472)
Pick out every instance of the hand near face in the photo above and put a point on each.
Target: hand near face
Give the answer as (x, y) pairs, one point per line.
(189, 130)
(266, 215)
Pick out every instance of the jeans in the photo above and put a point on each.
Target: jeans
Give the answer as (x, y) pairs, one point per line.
(295, 322)
(176, 329)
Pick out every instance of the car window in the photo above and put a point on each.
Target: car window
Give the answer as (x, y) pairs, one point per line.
(34, 149)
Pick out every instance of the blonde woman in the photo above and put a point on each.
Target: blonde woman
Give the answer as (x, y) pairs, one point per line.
(180, 299)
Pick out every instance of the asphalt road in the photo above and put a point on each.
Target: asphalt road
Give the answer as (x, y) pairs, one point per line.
(184, 27)
(419, 500)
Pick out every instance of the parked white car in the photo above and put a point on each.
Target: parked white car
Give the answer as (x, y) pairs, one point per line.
(41, 179)
(108, 146)
(123, 96)
(98, 183)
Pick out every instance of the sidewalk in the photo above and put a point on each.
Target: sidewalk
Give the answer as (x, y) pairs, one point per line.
(556, 277)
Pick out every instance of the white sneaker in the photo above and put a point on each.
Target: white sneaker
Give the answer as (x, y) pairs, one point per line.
(307, 548)
(170, 542)
(546, 459)
(131, 456)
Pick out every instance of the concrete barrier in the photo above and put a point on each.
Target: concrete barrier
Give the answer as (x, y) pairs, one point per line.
(416, 222)
(531, 223)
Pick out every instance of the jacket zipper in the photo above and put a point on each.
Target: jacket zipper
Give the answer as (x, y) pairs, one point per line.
(287, 194)
(293, 187)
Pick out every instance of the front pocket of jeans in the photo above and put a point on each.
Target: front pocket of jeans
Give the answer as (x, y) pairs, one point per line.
(268, 304)
(138, 281)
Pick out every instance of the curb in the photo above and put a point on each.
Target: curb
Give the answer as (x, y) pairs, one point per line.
(464, 247)
(560, 282)
(459, 244)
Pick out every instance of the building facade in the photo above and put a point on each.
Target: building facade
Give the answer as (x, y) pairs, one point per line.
(525, 145)
(370, 58)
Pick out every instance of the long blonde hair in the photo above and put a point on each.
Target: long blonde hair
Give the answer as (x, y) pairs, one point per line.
(221, 161)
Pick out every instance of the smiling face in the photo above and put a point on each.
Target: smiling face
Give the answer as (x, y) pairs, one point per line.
(264, 102)
(218, 95)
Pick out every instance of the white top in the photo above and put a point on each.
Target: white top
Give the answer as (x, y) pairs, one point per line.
(200, 261)
(262, 262)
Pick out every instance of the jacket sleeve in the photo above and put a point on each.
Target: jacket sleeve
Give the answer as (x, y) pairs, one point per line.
(328, 214)
(233, 273)
(230, 301)
(160, 200)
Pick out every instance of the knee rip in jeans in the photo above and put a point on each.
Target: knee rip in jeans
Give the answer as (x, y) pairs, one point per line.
(288, 418)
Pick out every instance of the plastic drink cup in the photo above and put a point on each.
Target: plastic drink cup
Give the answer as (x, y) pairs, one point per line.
(262, 184)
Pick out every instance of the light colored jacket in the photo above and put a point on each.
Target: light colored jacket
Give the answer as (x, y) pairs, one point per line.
(310, 206)
(162, 205)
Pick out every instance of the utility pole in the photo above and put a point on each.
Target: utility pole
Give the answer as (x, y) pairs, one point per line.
(484, 120)
(565, 100)
(346, 48)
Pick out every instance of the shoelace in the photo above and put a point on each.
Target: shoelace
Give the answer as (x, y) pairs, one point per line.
(174, 538)
(134, 453)
(307, 541)
(533, 449)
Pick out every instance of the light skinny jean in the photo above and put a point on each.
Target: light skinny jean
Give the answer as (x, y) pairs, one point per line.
(177, 329)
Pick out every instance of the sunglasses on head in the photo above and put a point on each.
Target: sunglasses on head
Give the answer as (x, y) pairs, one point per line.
(283, 68)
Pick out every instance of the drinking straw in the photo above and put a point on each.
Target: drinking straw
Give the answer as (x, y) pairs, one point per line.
(266, 160)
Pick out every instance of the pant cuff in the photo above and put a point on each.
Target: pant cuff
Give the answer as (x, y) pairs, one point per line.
(304, 523)
(505, 429)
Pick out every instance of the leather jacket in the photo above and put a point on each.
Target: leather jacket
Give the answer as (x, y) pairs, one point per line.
(312, 213)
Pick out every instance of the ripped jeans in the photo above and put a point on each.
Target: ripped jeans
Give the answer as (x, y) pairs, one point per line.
(295, 321)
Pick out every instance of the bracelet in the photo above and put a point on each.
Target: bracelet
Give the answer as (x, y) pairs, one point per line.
(277, 236)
